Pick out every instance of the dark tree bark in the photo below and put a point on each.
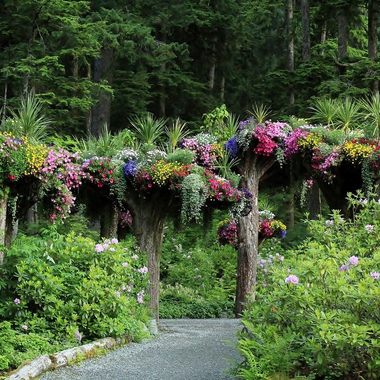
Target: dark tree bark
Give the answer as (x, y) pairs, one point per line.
(342, 37)
(290, 60)
(101, 111)
(211, 74)
(315, 201)
(148, 225)
(305, 11)
(248, 235)
(373, 14)
(3, 221)
(109, 221)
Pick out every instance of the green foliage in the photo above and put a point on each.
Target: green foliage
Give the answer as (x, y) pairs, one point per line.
(371, 112)
(327, 325)
(197, 274)
(181, 156)
(18, 346)
(28, 121)
(260, 112)
(68, 284)
(175, 134)
(193, 197)
(148, 129)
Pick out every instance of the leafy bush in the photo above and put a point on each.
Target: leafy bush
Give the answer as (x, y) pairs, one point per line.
(317, 313)
(70, 288)
(198, 275)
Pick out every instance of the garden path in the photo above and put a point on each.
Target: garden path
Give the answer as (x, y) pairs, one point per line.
(185, 349)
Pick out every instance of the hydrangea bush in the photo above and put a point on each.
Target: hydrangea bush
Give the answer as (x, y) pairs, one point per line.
(317, 310)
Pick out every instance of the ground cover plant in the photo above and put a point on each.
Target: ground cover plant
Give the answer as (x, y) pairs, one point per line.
(58, 290)
(316, 313)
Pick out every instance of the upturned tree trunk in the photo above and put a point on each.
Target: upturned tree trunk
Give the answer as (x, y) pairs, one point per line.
(290, 63)
(101, 111)
(148, 226)
(252, 171)
(373, 14)
(109, 221)
(248, 246)
(305, 30)
(3, 223)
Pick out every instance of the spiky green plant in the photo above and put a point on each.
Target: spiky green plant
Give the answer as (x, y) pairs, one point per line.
(175, 133)
(347, 114)
(324, 111)
(260, 112)
(225, 164)
(28, 120)
(148, 129)
(107, 144)
(231, 125)
(370, 110)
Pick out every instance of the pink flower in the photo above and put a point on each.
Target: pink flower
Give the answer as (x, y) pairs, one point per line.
(292, 279)
(99, 248)
(375, 275)
(143, 270)
(353, 260)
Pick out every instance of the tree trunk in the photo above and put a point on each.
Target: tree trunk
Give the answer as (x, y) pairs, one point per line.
(324, 32)
(32, 214)
(3, 223)
(290, 63)
(211, 74)
(248, 246)
(162, 93)
(148, 226)
(342, 38)
(373, 12)
(109, 221)
(305, 30)
(315, 201)
(101, 111)
(222, 88)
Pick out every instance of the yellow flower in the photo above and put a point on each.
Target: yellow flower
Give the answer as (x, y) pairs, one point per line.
(35, 156)
(355, 150)
(162, 171)
(310, 141)
(278, 225)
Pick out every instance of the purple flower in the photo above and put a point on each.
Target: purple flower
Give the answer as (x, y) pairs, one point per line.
(353, 260)
(130, 168)
(114, 241)
(232, 147)
(375, 275)
(283, 234)
(99, 248)
(344, 268)
(17, 301)
(292, 279)
(140, 297)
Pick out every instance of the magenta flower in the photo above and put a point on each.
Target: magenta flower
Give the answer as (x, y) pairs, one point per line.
(292, 279)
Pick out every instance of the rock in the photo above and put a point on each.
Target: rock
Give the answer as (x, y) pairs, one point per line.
(34, 369)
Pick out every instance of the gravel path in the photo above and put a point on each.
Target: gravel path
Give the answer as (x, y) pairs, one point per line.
(186, 349)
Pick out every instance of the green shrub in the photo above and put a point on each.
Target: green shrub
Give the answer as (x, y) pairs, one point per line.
(328, 324)
(181, 156)
(68, 287)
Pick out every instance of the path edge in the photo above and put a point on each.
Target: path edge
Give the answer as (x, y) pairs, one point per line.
(45, 363)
